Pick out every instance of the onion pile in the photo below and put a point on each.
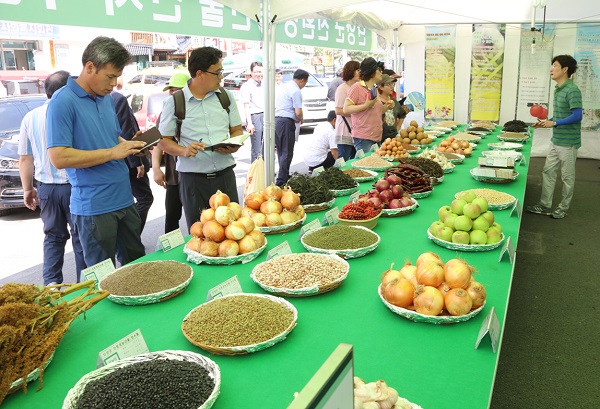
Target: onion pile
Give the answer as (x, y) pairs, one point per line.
(223, 231)
(387, 194)
(273, 206)
(432, 287)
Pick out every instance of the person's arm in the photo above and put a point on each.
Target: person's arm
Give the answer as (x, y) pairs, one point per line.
(66, 157)
(299, 114)
(168, 145)
(576, 116)
(158, 175)
(351, 108)
(249, 124)
(26, 168)
(334, 153)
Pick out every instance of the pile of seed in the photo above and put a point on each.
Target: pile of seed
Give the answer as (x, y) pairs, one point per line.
(372, 162)
(478, 129)
(146, 278)
(237, 321)
(492, 196)
(357, 173)
(340, 237)
(431, 167)
(300, 270)
(514, 135)
(157, 384)
(515, 125)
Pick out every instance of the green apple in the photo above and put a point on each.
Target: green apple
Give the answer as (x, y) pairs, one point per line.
(472, 210)
(493, 235)
(460, 237)
(446, 234)
(477, 237)
(489, 216)
(497, 227)
(468, 196)
(449, 220)
(457, 206)
(481, 224)
(434, 225)
(443, 212)
(463, 223)
(483, 204)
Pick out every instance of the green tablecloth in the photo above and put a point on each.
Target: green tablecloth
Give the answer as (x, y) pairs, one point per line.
(432, 365)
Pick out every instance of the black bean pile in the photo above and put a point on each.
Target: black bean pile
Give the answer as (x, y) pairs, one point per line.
(146, 278)
(431, 167)
(515, 126)
(339, 237)
(156, 384)
(335, 179)
(311, 190)
(478, 129)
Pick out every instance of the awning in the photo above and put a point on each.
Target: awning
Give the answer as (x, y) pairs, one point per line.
(139, 49)
(23, 75)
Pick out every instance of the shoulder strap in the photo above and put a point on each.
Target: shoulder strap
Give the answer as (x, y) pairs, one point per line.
(179, 102)
(346, 122)
(224, 99)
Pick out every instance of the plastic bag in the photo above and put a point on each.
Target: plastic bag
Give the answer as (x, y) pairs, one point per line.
(255, 181)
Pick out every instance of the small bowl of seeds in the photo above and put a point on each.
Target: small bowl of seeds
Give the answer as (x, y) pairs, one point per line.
(368, 223)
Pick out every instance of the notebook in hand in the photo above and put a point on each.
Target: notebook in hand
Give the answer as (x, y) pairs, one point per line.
(152, 136)
(230, 142)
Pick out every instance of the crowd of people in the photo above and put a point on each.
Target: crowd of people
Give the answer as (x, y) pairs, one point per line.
(92, 173)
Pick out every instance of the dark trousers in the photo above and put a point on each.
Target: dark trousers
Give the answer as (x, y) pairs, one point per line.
(140, 188)
(173, 208)
(103, 235)
(346, 151)
(195, 190)
(285, 139)
(327, 163)
(256, 138)
(56, 217)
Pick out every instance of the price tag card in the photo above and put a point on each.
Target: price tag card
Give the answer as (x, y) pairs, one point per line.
(360, 154)
(508, 248)
(171, 240)
(330, 217)
(132, 344)
(279, 250)
(313, 225)
(340, 162)
(523, 160)
(516, 206)
(374, 147)
(354, 196)
(231, 286)
(318, 170)
(491, 326)
(97, 272)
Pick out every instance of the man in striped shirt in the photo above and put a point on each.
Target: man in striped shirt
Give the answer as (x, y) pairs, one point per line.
(566, 138)
(53, 188)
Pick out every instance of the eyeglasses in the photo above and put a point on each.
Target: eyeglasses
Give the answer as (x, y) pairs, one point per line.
(217, 73)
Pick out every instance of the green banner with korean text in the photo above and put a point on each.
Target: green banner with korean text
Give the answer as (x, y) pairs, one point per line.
(200, 18)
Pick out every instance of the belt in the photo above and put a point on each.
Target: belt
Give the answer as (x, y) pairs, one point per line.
(214, 174)
(257, 113)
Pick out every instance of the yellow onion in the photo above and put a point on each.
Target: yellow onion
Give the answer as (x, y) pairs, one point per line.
(247, 244)
(457, 273)
(194, 244)
(272, 192)
(430, 273)
(259, 219)
(254, 200)
(213, 231)
(288, 217)
(299, 210)
(289, 199)
(209, 248)
(196, 230)
(258, 236)
(223, 215)
(428, 300)
(271, 206)
(218, 199)
(458, 302)
(399, 292)
(389, 275)
(235, 230)
(228, 248)
(429, 256)
(248, 211)
(236, 209)
(247, 222)
(274, 219)
(477, 292)
(409, 272)
(207, 214)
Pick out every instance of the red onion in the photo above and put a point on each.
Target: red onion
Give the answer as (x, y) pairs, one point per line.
(397, 191)
(406, 201)
(393, 179)
(386, 196)
(382, 185)
(395, 204)
(375, 201)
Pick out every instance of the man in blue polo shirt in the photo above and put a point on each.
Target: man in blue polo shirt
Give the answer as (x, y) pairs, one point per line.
(566, 138)
(84, 138)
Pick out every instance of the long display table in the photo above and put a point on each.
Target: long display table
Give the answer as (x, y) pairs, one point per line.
(432, 365)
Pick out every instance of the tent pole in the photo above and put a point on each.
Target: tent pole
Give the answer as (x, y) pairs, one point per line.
(268, 34)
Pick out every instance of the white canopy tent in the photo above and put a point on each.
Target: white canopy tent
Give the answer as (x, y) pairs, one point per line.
(386, 17)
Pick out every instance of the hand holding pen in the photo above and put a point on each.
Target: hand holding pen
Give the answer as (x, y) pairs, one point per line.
(192, 149)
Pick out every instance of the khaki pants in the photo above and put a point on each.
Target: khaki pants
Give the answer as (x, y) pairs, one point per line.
(563, 157)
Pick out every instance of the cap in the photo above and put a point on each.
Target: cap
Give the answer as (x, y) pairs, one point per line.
(369, 65)
(177, 80)
(391, 73)
(386, 79)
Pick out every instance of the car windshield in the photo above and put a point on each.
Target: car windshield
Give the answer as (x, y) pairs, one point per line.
(9, 150)
(155, 102)
(11, 117)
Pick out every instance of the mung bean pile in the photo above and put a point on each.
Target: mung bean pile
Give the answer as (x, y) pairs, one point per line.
(157, 383)
(339, 237)
(372, 162)
(238, 320)
(335, 179)
(146, 278)
(299, 270)
(311, 190)
(492, 196)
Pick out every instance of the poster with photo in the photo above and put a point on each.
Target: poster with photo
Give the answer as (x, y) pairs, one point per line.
(440, 45)
(587, 78)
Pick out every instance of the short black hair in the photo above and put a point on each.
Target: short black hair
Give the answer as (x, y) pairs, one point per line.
(255, 64)
(300, 74)
(331, 115)
(202, 58)
(103, 51)
(55, 81)
(566, 61)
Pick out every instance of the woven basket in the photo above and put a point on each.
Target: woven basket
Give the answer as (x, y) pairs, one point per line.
(402, 211)
(198, 258)
(488, 179)
(343, 253)
(422, 195)
(70, 401)
(505, 146)
(306, 291)
(437, 319)
(284, 228)
(367, 178)
(246, 349)
(154, 297)
(309, 208)
(437, 181)
(522, 140)
(464, 247)
(376, 169)
(344, 192)
(449, 170)
(33, 375)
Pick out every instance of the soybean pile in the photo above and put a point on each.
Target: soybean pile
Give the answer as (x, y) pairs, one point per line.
(339, 237)
(157, 383)
(146, 278)
(238, 320)
(311, 190)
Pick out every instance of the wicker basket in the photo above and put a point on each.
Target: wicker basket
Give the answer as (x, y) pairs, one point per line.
(343, 253)
(522, 140)
(344, 192)
(437, 319)
(33, 375)
(154, 297)
(465, 247)
(449, 170)
(246, 349)
(367, 178)
(198, 258)
(212, 368)
(437, 181)
(505, 146)
(306, 291)
(284, 228)
(422, 195)
(488, 179)
(402, 211)
(309, 208)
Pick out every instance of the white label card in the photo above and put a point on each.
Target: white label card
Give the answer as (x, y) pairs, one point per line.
(318, 170)
(360, 154)
(313, 225)
(340, 162)
(171, 240)
(516, 206)
(132, 344)
(491, 326)
(330, 217)
(279, 250)
(354, 196)
(374, 147)
(510, 248)
(97, 272)
(230, 286)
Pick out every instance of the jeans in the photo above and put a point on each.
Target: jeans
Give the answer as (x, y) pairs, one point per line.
(363, 144)
(256, 138)
(563, 157)
(346, 151)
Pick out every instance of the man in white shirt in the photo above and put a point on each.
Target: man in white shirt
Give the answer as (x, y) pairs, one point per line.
(322, 150)
(254, 107)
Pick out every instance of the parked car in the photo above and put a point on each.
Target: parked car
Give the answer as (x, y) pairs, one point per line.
(147, 106)
(12, 111)
(152, 77)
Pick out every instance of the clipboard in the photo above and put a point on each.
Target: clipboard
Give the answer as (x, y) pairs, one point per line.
(152, 136)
